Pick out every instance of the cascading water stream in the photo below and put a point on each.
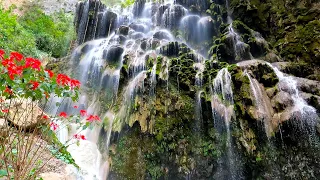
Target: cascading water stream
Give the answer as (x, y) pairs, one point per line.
(222, 108)
(238, 44)
(263, 110)
(199, 66)
(307, 115)
(98, 63)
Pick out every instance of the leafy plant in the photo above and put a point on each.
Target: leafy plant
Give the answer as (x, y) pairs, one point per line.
(25, 85)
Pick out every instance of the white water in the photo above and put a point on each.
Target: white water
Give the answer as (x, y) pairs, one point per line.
(308, 113)
(263, 112)
(222, 107)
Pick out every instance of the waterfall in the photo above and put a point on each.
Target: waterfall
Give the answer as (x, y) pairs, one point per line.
(238, 45)
(264, 112)
(307, 115)
(199, 66)
(222, 108)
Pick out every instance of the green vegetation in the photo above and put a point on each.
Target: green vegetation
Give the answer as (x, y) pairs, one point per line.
(35, 33)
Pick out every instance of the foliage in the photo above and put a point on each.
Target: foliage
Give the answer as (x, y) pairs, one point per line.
(127, 3)
(35, 33)
(13, 36)
(53, 34)
(26, 85)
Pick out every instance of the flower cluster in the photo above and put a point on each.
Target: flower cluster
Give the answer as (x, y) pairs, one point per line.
(26, 75)
(79, 136)
(15, 65)
(83, 113)
(65, 80)
(54, 126)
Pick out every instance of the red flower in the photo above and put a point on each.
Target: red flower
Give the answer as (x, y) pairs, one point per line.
(92, 118)
(97, 118)
(5, 110)
(54, 126)
(33, 63)
(76, 107)
(45, 117)
(63, 79)
(35, 85)
(16, 55)
(2, 53)
(83, 112)
(8, 90)
(50, 73)
(63, 114)
(14, 70)
(79, 136)
(75, 83)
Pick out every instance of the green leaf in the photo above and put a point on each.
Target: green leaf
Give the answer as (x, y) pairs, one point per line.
(3, 173)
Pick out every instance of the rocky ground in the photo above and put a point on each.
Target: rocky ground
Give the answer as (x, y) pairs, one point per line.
(48, 6)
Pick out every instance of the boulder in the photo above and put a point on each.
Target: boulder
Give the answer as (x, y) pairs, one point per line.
(281, 101)
(25, 114)
(137, 27)
(163, 35)
(308, 86)
(113, 54)
(3, 128)
(123, 30)
(137, 35)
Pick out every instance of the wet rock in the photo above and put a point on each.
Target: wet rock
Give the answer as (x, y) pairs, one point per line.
(162, 35)
(150, 44)
(137, 35)
(113, 54)
(123, 30)
(122, 39)
(271, 57)
(282, 101)
(195, 6)
(138, 7)
(312, 100)
(138, 27)
(106, 24)
(308, 86)
(172, 16)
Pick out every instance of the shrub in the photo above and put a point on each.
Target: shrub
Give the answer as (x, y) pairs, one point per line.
(13, 36)
(24, 86)
(36, 33)
(52, 33)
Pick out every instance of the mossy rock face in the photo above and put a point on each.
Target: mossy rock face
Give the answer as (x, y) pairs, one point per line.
(291, 27)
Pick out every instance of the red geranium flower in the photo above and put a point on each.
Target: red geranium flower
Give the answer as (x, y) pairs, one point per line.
(35, 85)
(2, 53)
(17, 56)
(79, 136)
(33, 63)
(63, 79)
(45, 117)
(5, 110)
(54, 126)
(76, 107)
(92, 118)
(50, 73)
(63, 114)
(8, 90)
(83, 112)
(75, 83)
